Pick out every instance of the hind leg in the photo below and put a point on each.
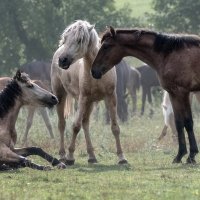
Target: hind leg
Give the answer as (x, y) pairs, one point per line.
(163, 133)
(47, 122)
(31, 111)
(144, 92)
(150, 102)
(112, 106)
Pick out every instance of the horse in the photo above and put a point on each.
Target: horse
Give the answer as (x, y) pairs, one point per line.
(149, 79)
(40, 72)
(175, 58)
(70, 75)
(31, 110)
(18, 92)
(168, 115)
(128, 78)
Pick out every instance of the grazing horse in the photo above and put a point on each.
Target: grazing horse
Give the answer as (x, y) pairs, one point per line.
(18, 92)
(175, 57)
(71, 76)
(149, 79)
(38, 70)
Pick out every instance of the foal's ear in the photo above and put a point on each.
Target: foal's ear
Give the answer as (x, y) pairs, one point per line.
(91, 27)
(17, 75)
(112, 31)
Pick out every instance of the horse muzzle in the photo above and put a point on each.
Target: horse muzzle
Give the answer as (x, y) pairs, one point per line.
(64, 62)
(97, 74)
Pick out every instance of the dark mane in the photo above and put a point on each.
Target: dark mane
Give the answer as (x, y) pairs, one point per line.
(164, 43)
(8, 96)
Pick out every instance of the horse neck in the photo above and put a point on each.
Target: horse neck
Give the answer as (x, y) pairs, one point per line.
(89, 58)
(142, 49)
(10, 118)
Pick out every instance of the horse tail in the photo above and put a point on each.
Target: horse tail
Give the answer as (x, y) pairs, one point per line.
(69, 106)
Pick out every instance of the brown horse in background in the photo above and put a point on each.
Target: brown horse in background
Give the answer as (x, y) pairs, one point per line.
(80, 41)
(175, 58)
(18, 92)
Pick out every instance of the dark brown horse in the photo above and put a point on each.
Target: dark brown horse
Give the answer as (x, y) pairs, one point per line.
(175, 58)
(148, 80)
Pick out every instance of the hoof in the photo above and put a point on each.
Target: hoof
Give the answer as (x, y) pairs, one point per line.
(46, 168)
(176, 161)
(92, 160)
(190, 161)
(122, 162)
(69, 162)
(61, 166)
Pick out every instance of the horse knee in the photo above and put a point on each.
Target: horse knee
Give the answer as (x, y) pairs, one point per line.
(61, 125)
(115, 129)
(76, 127)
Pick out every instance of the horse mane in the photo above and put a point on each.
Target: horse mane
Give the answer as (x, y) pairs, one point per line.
(164, 42)
(81, 32)
(8, 96)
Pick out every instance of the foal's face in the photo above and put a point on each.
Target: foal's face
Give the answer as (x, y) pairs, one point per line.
(109, 54)
(32, 94)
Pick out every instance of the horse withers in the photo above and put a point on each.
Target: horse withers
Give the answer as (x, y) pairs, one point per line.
(175, 57)
(18, 92)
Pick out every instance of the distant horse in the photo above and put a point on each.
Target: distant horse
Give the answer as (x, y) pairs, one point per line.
(175, 58)
(18, 92)
(80, 41)
(38, 70)
(149, 79)
(128, 78)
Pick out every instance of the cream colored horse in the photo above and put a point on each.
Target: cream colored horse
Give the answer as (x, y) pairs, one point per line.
(70, 75)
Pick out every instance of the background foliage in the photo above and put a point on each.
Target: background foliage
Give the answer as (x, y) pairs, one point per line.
(30, 29)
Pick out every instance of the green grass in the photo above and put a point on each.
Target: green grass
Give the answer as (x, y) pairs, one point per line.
(139, 7)
(149, 174)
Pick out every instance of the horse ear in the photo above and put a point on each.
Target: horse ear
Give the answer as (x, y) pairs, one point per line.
(91, 27)
(112, 31)
(18, 74)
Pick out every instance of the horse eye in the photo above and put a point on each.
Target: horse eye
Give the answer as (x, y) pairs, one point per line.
(106, 46)
(30, 86)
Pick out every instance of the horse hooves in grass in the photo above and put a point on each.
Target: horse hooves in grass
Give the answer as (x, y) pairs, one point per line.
(92, 160)
(122, 162)
(61, 165)
(176, 161)
(191, 161)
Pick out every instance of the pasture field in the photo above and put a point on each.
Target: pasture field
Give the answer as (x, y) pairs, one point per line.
(149, 174)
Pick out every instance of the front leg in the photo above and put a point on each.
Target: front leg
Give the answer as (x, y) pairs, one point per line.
(27, 151)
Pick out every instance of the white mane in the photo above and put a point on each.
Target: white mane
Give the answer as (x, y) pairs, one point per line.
(81, 32)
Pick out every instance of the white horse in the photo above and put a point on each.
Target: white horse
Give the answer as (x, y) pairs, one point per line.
(70, 75)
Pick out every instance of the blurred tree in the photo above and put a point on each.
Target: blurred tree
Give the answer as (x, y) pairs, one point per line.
(30, 29)
(177, 15)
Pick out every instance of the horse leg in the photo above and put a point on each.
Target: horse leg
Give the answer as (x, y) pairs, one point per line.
(47, 122)
(28, 151)
(31, 111)
(173, 127)
(183, 118)
(61, 125)
(150, 102)
(76, 128)
(112, 106)
(163, 133)
(143, 99)
(85, 125)
(13, 160)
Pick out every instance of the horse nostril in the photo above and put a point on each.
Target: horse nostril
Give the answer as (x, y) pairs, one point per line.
(96, 74)
(55, 100)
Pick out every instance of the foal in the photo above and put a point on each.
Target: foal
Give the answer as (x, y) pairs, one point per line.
(176, 61)
(80, 40)
(18, 92)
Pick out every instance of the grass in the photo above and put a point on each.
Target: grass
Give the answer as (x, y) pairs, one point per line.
(149, 174)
